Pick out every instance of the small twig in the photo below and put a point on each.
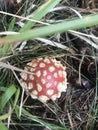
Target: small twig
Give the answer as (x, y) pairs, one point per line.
(8, 66)
(9, 118)
(21, 103)
(70, 120)
(80, 69)
(23, 18)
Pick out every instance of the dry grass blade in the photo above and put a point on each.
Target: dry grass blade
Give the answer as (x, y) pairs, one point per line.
(84, 37)
(52, 43)
(23, 18)
(64, 26)
(8, 66)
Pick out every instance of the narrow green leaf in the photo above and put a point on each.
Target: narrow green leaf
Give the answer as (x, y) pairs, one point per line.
(3, 117)
(2, 126)
(5, 48)
(6, 96)
(11, 25)
(43, 123)
(16, 97)
(15, 103)
(64, 26)
(2, 88)
(40, 12)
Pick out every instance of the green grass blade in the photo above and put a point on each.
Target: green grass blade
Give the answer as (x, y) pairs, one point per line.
(15, 103)
(64, 26)
(16, 97)
(3, 117)
(40, 12)
(2, 126)
(2, 89)
(5, 48)
(12, 24)
(43, 123)
(6, 96)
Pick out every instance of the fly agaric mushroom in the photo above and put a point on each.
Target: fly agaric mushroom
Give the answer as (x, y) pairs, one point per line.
(47, 81)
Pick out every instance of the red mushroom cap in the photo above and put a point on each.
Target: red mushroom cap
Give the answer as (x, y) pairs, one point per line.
(47, 81)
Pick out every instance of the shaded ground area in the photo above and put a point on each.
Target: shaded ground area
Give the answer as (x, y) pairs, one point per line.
(77, 108)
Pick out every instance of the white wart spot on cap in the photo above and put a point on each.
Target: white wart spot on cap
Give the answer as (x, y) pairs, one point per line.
(31, 69)
(29, 64)
(23, 76)
(55, 83)
(65, 87)
(54, 60)
(34, 92)
(43, 98)
(48, 77)
(33, 96)
(55, 75)
(64, 74)
(51, 68)
(38, 73)
(24, 85)
(60, 87)
(46, 60)
(34, 64)
(44, 73)
(48, 85)
(39, 87)
(26, 68)
(58, 64)
(50, 92)
(30, 85)
(43, 81)
(31, 77)
(59, 95)
(60, 73)
(42, 65)
(53, 97)
(39, 59)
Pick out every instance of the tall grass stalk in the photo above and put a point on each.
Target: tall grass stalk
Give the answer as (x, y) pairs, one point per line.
(64, 26)
(40, 12)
